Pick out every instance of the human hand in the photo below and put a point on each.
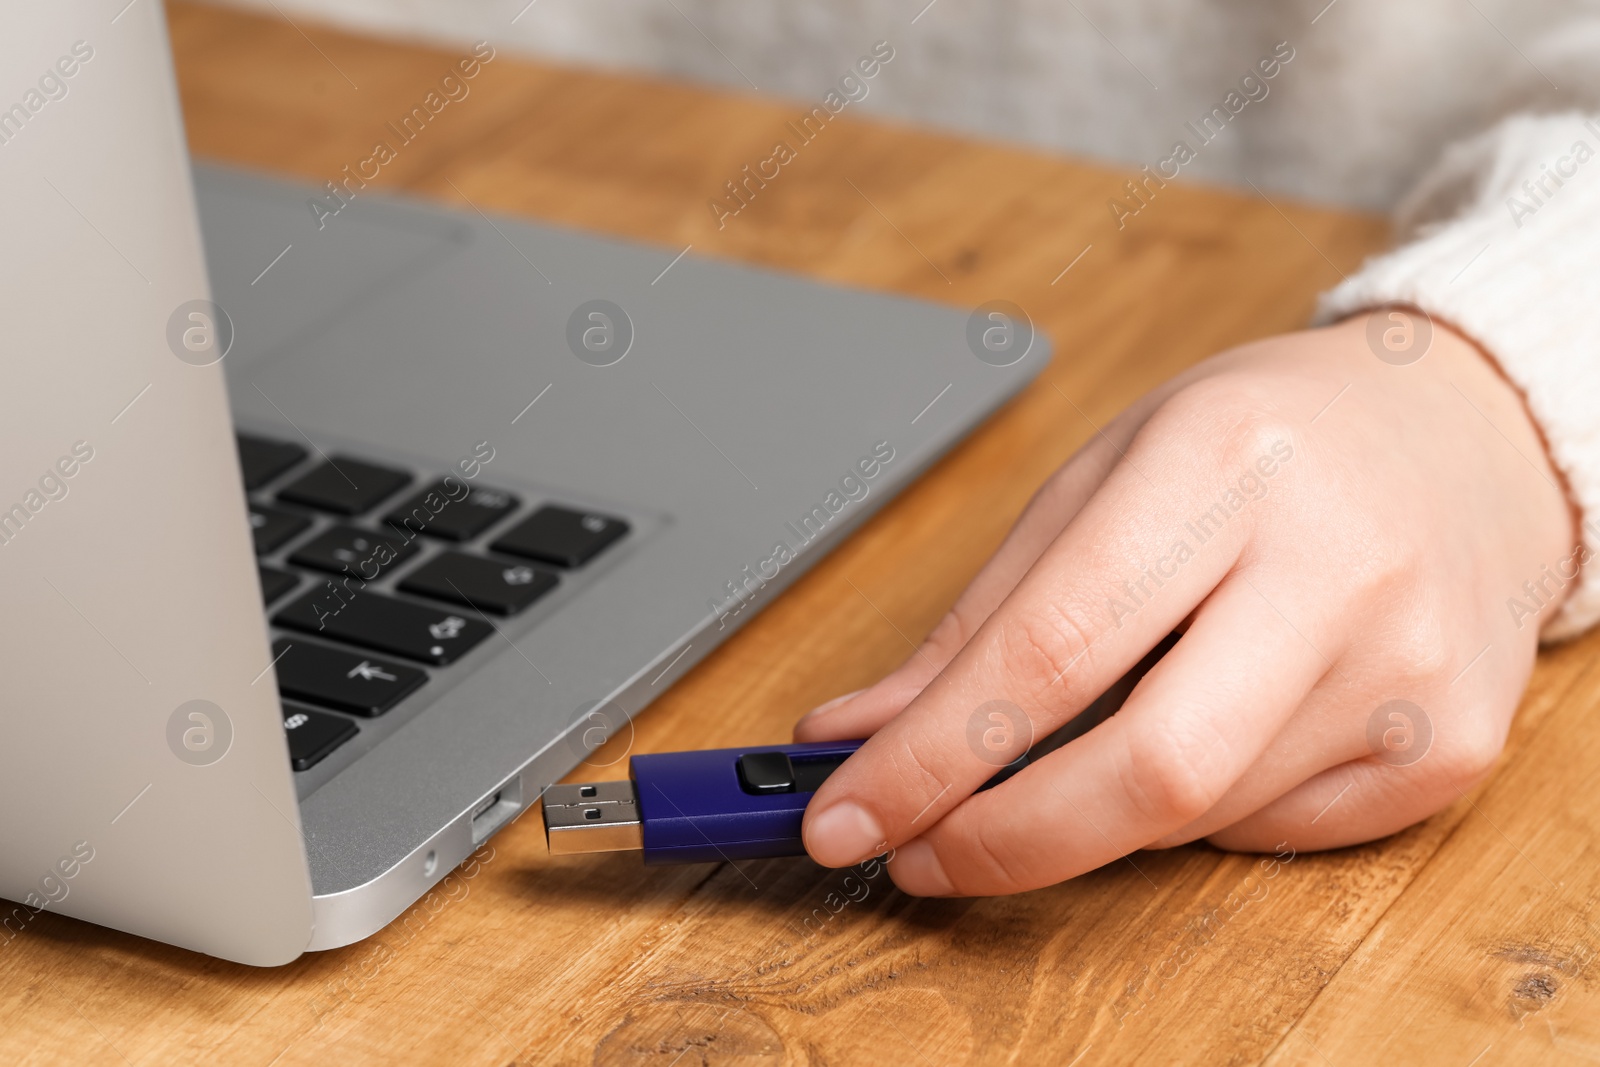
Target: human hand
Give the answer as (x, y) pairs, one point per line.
(1329, 531)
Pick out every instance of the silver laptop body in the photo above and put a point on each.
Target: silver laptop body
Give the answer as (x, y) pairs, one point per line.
(640, 452)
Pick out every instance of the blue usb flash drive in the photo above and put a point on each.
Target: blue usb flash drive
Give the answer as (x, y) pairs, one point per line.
(696, 807)
(744, 803)
(699, 807)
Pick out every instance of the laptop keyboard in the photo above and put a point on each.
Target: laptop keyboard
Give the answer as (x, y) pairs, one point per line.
(370, 650)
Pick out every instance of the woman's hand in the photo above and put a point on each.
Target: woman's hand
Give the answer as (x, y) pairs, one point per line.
(1331, 533)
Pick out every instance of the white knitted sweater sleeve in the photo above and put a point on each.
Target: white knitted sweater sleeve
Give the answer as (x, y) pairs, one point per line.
(1501, 240)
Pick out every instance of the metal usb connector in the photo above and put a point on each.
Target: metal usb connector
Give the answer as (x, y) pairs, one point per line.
(592, 817)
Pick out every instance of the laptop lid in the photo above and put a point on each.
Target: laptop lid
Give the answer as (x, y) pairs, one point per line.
(144, 776)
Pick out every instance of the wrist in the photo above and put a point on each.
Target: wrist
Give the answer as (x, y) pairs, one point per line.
(1511, 414)
(1458, 364)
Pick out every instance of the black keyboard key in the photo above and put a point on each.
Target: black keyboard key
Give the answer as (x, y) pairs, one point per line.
(262, 460)
(346, 549)
(483, 584)
(271, 527)
(450, 510)
(561, 536)
(373, 620)
(345, 486)
(335, 678)
(314, 734)
(275, 583)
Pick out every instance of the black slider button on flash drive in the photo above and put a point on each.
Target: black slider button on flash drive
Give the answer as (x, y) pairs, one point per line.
(766, 772)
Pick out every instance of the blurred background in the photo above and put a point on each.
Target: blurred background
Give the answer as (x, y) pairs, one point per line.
(1374, 91)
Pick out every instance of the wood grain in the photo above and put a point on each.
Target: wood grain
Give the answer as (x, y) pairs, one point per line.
(1474, 929)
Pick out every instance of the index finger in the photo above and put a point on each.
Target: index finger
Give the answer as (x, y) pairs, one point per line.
(1126, 570)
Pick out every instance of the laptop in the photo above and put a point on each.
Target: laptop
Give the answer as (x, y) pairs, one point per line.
(329, 541)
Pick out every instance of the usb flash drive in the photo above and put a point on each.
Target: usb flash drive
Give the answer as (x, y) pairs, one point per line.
(744, 803)
(699, 807)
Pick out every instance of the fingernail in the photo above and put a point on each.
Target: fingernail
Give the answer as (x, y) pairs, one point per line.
(830, 705)
(843, 834)
(917, 870)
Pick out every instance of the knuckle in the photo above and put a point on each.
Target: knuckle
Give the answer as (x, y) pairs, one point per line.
(1470, 749)
(1250, 436)
(1039, 647)
(1003, 870)
(1174, 776)
(1425, 648)
(1376, 565)
(915, 776)
(1233, 411)
(946, 639)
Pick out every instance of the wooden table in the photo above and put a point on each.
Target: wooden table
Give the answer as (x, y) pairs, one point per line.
(1471, 935)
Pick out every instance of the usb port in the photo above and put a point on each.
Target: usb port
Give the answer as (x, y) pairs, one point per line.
(497, 809)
